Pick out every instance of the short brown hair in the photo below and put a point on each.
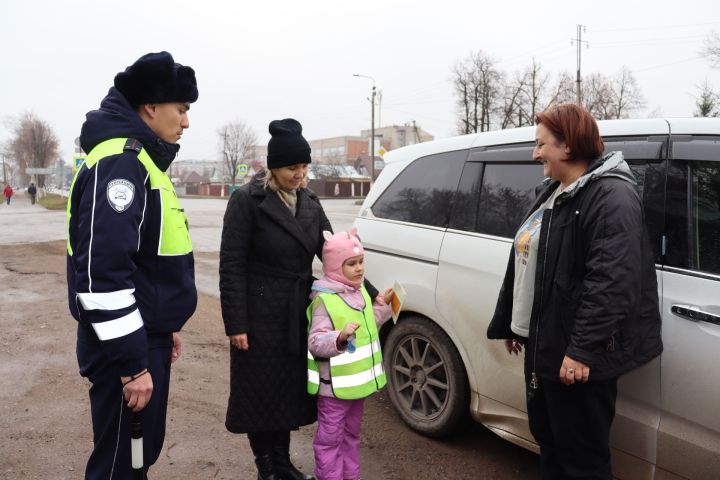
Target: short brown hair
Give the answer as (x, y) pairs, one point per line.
(576, 127)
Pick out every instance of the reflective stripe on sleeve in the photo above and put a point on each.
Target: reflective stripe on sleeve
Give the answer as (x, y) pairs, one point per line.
(108, 300)
(118, 327)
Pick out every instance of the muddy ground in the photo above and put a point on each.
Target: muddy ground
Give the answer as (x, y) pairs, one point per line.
(44, 409)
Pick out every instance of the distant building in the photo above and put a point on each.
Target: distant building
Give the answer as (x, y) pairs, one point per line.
(396, 136)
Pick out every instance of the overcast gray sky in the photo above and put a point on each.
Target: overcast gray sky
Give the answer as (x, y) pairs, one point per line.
(261, 60)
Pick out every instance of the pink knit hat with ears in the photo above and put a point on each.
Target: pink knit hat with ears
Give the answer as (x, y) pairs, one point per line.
(338, 248)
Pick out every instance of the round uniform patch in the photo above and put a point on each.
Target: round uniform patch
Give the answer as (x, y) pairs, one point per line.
(120, 194)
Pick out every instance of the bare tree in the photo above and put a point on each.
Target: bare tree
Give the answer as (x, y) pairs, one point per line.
(711, 51)
(461, 84)
(478, 86)
(628, 98)
(708, 102)
(33, 144)
(563, 91)
(524, 97)
(597, 96)
(236, 143)
(611, 98)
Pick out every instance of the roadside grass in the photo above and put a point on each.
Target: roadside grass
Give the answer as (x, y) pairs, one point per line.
(52, 201)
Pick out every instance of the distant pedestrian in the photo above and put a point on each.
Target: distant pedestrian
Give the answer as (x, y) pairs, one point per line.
(32, 191)
(8, 192)
(346, 366)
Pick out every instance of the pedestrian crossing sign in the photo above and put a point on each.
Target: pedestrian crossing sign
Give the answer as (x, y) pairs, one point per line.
(77, 161)
(242, 169)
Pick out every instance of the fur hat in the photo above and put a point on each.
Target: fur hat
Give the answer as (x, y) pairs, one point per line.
(338, 248)
(287, 146)
(156, 78)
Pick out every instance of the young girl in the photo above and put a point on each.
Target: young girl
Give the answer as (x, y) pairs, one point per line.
(346, 362)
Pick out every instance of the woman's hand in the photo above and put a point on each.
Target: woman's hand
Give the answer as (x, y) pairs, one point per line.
(177, 347)
(573, 371)
(239, 341)
(513, 346)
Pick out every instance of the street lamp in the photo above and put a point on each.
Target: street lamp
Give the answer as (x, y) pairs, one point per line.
(372, 126)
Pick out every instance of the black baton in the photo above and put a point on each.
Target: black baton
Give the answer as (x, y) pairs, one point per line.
(136, 447)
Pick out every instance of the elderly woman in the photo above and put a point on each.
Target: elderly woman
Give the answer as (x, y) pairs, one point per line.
(580, 294)
(272, 231)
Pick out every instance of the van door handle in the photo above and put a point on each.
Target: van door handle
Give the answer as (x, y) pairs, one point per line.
(693, 313)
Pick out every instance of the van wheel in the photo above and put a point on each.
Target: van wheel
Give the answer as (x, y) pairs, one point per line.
(427, 382)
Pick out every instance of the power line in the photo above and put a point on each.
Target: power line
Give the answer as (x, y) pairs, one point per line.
(669, 64)
(656, 27)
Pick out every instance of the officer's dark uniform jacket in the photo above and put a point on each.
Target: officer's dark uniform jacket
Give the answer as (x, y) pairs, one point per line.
(130, 262)
(596, 297)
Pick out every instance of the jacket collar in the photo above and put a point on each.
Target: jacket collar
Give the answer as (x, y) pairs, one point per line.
(610, 165)
(116, 119)
(273, 207)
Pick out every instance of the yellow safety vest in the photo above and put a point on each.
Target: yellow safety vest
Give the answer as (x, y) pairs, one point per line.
(352, 375)
(174, 234)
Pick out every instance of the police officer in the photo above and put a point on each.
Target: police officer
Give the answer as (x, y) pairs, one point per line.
(131, 283)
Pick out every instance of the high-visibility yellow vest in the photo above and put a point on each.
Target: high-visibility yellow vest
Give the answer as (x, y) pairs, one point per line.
(174, 234)
(352, 375)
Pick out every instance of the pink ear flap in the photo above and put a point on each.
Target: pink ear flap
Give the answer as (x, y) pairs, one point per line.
(353, 231)
(327, 235)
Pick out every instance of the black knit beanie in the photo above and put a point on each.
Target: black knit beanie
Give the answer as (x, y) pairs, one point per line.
(156, 78)
(287, 145)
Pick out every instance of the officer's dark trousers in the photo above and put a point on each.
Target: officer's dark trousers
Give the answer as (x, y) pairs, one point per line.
(572, 426)
(110, 458)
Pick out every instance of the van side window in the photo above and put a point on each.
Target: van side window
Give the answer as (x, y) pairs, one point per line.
(493, 198)
(423, 193)
(693, 206)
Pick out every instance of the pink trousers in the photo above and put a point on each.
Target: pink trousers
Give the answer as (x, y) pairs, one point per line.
(337, 441)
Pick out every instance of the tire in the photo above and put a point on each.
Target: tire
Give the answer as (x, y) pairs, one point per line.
(427, 382)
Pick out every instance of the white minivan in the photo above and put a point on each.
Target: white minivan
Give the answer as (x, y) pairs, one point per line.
(440, 219)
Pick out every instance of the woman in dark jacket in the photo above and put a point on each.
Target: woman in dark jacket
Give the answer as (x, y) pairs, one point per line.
(580, 294)
(272, 231)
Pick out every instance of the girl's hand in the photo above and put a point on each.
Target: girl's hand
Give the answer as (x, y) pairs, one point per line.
(387, 296)
(347, 332)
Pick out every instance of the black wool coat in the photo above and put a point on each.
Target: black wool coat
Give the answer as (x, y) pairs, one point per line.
(266, 260)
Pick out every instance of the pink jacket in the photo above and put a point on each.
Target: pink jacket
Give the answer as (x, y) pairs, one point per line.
(322, 339)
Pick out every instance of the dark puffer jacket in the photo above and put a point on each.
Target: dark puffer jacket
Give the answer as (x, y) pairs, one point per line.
(265, 277)
(596, 297)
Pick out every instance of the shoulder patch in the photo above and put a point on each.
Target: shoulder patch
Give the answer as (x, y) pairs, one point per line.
(134, 145)
(120, 194)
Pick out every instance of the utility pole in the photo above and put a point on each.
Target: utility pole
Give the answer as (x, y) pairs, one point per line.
(379, 103)
(579, 41)
(372, 136)
(372, 126)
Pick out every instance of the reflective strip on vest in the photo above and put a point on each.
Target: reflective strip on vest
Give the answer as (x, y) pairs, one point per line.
(352, 375)
(313, 375)
(174, 234)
